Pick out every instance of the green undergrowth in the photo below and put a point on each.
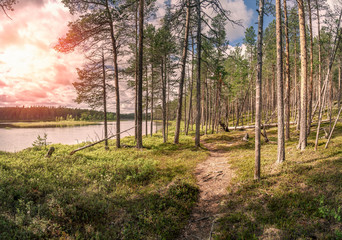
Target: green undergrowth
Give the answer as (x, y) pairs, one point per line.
(298, 199)
(97, 194)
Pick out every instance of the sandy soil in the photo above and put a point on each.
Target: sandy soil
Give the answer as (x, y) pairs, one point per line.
(213, 178)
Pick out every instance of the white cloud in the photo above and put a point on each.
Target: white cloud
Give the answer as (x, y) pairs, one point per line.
(238, 12)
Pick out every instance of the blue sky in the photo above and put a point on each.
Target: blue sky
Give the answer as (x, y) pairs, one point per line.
(251, 5)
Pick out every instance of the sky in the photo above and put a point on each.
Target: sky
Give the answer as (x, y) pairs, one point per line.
(32, 73)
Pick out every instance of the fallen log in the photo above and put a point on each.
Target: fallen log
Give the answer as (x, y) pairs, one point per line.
(266, 125)
(92, 144)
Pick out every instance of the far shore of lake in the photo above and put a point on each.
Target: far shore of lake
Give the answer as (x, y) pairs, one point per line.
(47, 124)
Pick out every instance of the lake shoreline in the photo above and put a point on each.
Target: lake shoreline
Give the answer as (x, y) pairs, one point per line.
(19, 138)
(52, 124)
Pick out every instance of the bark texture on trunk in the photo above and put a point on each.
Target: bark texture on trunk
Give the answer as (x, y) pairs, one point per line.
(258, 99)
(198, 87)
(303, 84)
(287, 75)
(116, 75)
(280, 97)
(152, 96)
(162, 70)
(104, 101)
(325, 84)
(310, 95)
(181, 83)
(140, 74)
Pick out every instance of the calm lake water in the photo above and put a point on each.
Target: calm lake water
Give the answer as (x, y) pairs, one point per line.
(16, 139)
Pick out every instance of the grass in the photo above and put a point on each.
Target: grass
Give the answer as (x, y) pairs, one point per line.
(63, 123)
(149, 193)
(299, 199)
(97, 194)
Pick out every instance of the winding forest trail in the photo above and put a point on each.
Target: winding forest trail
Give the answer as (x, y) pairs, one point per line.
(213, 177)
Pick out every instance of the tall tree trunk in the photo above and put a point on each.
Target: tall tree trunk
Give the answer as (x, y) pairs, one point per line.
(198, 87)
(319, 55)
(181, 83)
(339, 85)
(104, 101)
(185, 106)
(163, 98)
(167, 84)
(280, 97)
(207, 106)
(140, 76)
(311, 71)
(136, 73)
(287, 75)
(152, 96)
(296, 84)
(116, 75)
(325, 84)
(146, 106)
(258, 88)
(192, 86)
(331, 94)
(303, 86)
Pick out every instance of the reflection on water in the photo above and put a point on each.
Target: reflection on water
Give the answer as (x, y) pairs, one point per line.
(16, 139)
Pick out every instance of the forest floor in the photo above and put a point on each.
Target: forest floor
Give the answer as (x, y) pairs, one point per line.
(165, 191)
(298, 199)
(213, 177)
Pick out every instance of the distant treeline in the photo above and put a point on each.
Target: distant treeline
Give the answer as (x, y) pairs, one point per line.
(54, 113)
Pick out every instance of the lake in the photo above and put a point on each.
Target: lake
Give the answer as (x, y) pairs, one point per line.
(16, 139)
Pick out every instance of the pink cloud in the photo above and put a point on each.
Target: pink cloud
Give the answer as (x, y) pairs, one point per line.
(31, 72)
(30, 95)
(2, 84)
(64, 76)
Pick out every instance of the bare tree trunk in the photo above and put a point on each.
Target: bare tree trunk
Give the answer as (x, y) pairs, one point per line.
(167, 84)
(163, 79)
(136, 73)
(330, 101)
(296, 84)
(303, 93)
(198, 87)
(181, 83)
(219, 104)
(280, 97)
(202, 111)
(207, 106)
(104, 101)
(140, 76)
(241, 109)
(332, 130)
(258, 88)
(311, 71)
(116, 76)
(227, 112)
(146, 107)
(325, 85)
(191, 86)
(287, 75)
(339, 85)
(319, 55)
(152, 96)
(185, 106)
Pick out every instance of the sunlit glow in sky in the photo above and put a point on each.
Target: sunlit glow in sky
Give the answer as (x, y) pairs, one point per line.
(33, 73)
